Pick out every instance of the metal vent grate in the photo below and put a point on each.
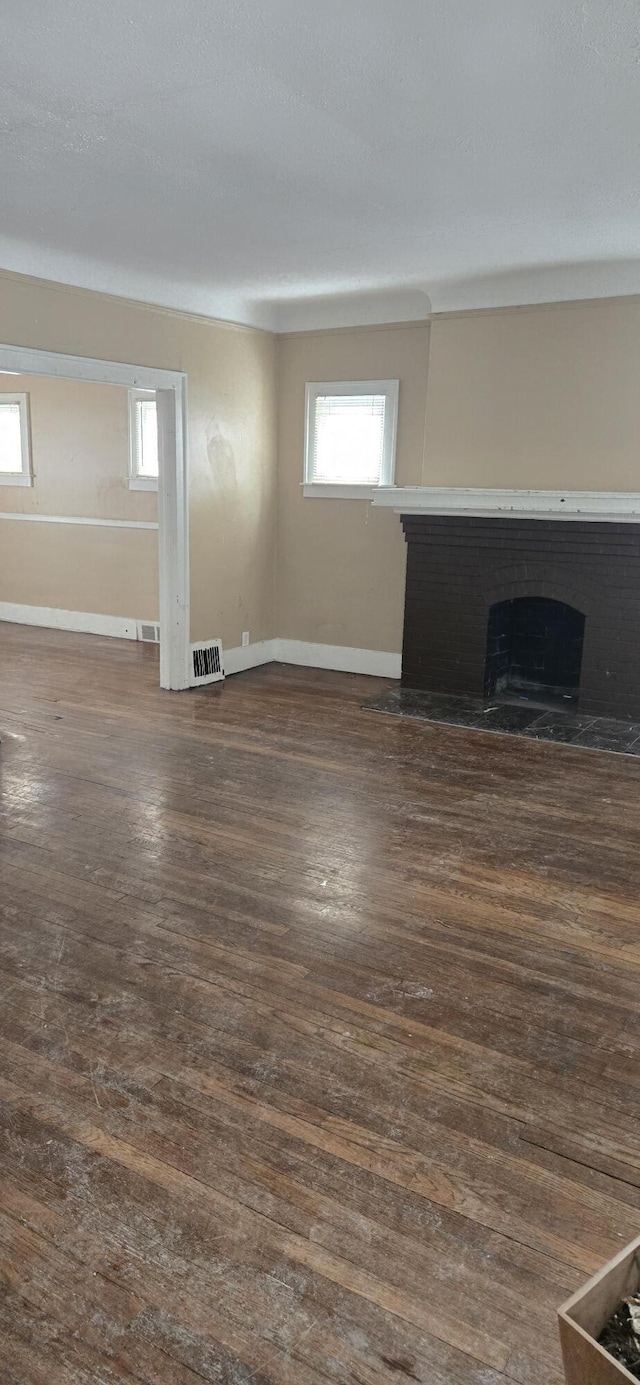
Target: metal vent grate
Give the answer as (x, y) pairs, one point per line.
(149, 632)
(206, 662)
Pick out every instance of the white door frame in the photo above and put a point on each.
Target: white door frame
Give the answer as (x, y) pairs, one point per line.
(173, 498)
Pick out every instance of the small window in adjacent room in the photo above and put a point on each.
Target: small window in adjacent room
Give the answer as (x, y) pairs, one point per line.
(143, 441)
(15, 452)
(350, 437)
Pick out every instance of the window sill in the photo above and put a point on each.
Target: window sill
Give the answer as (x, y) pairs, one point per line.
(15, 478)
(312, 491)
(143, 483)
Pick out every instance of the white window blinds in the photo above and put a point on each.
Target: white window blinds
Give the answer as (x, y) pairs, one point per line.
(146, 437)
(143, 440)
(347, 441)
(10, 438)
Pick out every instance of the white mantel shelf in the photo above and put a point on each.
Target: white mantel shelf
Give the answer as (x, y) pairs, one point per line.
(618, 506)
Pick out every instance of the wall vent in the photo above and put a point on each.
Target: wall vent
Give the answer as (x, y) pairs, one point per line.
(206, 662)
(149, 632)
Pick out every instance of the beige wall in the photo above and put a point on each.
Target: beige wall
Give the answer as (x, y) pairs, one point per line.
(231, 422)
(71, 567)
(544, 397)
(80, 457)
(340, 566)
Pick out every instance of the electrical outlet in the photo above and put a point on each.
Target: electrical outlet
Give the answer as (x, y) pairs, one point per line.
(245, 638)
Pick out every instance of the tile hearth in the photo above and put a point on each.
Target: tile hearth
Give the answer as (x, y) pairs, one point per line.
(515, 718)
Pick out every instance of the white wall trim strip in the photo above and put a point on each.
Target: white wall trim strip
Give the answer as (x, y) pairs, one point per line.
(330, 656)
(78, 519)
(339, 657)
(249, 656)
(30, 360)
(83, 622)
(526, 504)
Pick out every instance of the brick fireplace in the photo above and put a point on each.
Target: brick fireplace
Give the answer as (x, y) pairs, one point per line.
(531, 605)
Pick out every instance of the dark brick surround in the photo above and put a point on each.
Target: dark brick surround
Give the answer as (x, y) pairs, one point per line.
(458, 567)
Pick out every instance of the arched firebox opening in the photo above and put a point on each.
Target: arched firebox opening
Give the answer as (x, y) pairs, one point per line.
(534, 650)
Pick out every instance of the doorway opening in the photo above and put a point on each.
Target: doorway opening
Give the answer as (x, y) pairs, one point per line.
(169, 390)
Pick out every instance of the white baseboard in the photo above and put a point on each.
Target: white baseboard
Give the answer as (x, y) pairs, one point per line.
(83, 622)
(339, 657)
(249, 656)
(330, 656)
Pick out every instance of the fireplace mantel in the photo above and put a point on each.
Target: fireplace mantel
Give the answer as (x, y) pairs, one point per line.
(616, 506)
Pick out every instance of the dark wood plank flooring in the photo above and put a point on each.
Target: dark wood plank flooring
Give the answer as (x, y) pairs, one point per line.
(319, 1030)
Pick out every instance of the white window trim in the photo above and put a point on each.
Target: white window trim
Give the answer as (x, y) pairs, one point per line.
(136, 481)
(336, 490)
(24, 477)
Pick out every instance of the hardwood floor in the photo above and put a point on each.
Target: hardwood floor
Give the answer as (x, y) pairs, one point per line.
(319, 1030)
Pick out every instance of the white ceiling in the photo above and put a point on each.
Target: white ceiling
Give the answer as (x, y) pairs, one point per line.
(253, 159)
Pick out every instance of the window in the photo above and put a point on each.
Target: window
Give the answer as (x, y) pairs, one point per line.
(15, 452)
(350, 437)
(143, 440)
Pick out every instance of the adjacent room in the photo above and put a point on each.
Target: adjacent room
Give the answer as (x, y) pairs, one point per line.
(81, 460)
(320, 694)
